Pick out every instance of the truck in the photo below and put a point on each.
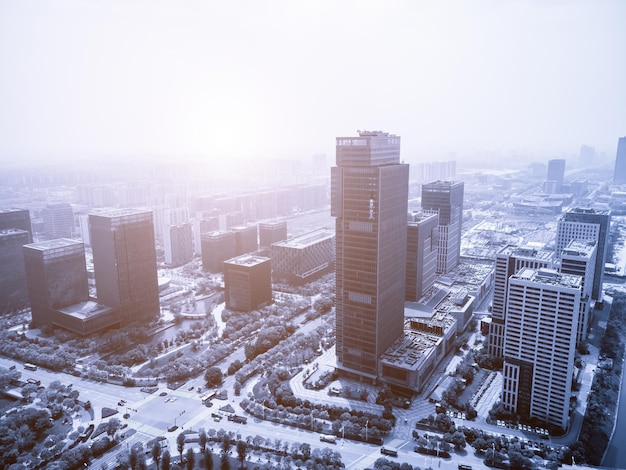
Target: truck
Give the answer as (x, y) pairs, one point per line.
(28, 366)
(391, 448)
(238, 419)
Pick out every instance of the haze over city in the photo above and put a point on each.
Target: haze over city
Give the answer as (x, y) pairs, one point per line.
(209, 80)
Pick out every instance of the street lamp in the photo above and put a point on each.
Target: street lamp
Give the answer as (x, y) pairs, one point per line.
(366, 423)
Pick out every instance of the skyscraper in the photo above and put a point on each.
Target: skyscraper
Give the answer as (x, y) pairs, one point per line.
(369, 192)
(555, 175)
(124, 259)
(619, 174)
(217, 247)
(586, 224)
(540, 344)
(13, 288)
(58, 221)
(57, 277)
(421, 253)
(178, 244)
(446, 197)
(579, 258)
(18, 219)
(509, 260)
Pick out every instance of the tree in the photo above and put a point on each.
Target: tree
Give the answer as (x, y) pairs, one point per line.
(156, 453)
(226, 445)
(213, 377)
(208, 459)
(166, 460)
(112, 426)
(224, 462)
(180, 444)
(191, 459)
(202, 439)
(242, 451)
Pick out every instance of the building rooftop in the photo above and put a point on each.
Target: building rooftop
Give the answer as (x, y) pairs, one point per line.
(247, 260)
(550, 277)
(54, 244)
(85, 310)
(307, 239)
(527, 251)
(11, 232)
(582, 248)
(12, 209)
(120, 212)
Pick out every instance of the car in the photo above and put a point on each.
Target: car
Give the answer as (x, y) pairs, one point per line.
(121, 403)
(191, 388)
(162, 394)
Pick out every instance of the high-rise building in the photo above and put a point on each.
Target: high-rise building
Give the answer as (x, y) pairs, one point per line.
(58, 221)
(509, 260)
(555, 175)
(217, 247)
(446, 197)
(178, 244)
(272, 232)
(57, 277)
(421, 253)
(13, 288)
(247, 282)
(540, 344)
(124, 258)
(619, 174)
(200, 227)
(17, 219)
(579, 258)
(246, 238)
(305, 258)
(369, 194)
(586, 224)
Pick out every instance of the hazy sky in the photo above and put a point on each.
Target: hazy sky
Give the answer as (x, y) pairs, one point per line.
(95, 78)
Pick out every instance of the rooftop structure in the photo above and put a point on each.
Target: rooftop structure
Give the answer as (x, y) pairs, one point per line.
(305, 258)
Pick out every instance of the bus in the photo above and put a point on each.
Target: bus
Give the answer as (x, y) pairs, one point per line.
(28, 366)
(208, 396)
(328, 438)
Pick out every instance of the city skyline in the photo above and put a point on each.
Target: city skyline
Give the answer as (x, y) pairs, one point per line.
(203, 81)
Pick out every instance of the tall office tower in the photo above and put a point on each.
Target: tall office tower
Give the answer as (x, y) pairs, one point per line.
(369, 188)
(58, 221)
(217, 247)
(178, 244)
(509, 260)
(83, 227)
(13, 288)
(201, 226)
(124, 258)
(586, 224)
(619, 174)
(57, 277)
(555, 175)
(247, 282)
(246, 238)
(17, 219)
(579, 258)
(540, 344)
(447, 198)
(422, 240)
(272, 232)
(587, 154)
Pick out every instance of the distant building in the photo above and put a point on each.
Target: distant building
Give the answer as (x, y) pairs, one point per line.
(555, 176)
(579, 258)
(58, 221)
(13, 287)
(202, 226)
(272, 232)
(124, 258)
(369, 198)
(586, 224)
(446, 197)
(619, 174)
(246, 238)
(178, 244)
(217, 247)
(421, 254)
(305, 258)
(587, 154)
(16, 219)
(247, 283)
(540, 344)
(509, 260)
